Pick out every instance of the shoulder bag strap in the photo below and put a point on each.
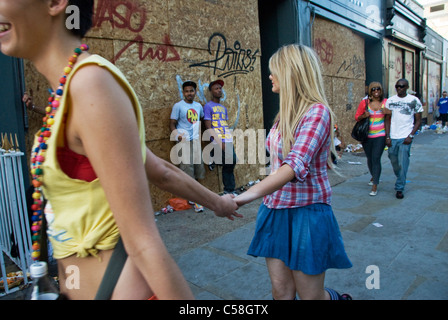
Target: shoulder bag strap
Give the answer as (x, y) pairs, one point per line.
(113, 271)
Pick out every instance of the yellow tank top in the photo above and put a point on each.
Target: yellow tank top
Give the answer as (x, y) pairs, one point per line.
(82, 222)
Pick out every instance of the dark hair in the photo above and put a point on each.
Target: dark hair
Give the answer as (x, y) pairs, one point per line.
(86, 16)
(375, 84)
(189, 83)
(404, 80)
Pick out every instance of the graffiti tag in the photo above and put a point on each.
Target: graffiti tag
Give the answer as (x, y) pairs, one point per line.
(228, 61)
(324, 50)
(129, 15)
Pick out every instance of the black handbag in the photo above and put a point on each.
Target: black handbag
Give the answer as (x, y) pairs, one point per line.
(360, 131)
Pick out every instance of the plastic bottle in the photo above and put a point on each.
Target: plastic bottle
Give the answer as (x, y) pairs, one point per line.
(44, 287)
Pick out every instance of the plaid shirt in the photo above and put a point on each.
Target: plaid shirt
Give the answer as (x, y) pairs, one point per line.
(308, 159)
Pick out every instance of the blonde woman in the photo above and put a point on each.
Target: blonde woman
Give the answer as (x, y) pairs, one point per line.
(296, 230)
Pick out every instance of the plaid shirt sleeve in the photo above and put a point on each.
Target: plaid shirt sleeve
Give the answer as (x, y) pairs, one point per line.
(308, 159)
(311, 135)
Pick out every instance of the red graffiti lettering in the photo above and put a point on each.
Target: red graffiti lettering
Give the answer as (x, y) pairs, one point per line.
(409, 68)
(324, 49)
(164, 53)
(120, 14)
(398, 68)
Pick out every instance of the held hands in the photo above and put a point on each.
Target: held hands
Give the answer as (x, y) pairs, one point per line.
(408, 140)
(227, 208)
(242, 199)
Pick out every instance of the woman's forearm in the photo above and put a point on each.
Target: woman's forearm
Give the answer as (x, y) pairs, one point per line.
(169, 178)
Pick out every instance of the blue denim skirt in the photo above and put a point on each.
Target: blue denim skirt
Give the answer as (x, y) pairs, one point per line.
(306, 239)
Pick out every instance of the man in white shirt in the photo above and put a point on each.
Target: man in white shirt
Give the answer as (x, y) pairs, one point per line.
(400, 126)
(185, 125)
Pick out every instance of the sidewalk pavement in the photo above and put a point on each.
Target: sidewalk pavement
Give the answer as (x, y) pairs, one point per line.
(399, 248)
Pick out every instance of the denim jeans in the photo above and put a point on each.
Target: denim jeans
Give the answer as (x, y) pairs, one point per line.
(399, 155)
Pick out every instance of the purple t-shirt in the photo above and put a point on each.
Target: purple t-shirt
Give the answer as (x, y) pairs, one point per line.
(217, 114)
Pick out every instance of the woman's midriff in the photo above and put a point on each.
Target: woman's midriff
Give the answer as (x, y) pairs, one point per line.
(80, 278)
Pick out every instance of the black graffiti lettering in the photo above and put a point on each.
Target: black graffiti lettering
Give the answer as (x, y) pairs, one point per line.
(228, 61)
(354, 65)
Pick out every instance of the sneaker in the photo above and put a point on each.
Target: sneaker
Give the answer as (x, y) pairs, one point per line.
(234, 193)
(198, 207)
(399, 195)
(334, 295)
(345, 296)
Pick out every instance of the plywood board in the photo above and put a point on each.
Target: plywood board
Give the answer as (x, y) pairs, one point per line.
(340, 50)
(342, 55)
(159, 44)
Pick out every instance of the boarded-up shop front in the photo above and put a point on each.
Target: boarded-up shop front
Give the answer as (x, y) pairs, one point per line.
(404, 42)
(431, 88)
(160, 44)
(432, 74)
(341, 51)
(402, 65)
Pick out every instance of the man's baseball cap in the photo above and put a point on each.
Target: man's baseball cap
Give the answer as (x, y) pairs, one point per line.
(215, 82)
(189, 83)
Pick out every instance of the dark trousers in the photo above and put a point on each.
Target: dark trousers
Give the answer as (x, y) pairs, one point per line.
(444, 118)
(374, 148)
(227, 161)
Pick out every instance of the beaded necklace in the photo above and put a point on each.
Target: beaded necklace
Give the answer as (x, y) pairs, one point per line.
(38, 153)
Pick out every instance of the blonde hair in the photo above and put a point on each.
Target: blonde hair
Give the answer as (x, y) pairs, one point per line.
(299, 73)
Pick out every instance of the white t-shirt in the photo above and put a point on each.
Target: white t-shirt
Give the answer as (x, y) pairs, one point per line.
(188, 118)
(403, 110)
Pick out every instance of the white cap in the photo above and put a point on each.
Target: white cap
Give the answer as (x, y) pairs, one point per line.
(38, 269)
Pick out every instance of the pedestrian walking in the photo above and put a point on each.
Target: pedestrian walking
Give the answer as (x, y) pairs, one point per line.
(403, 121)
(442, 104)
(296, 230)
(372, 107)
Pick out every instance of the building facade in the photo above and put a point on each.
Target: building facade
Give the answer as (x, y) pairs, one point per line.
(159, 44)
(358, 42)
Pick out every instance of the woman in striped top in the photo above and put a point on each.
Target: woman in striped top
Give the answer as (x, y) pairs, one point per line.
(374, 146)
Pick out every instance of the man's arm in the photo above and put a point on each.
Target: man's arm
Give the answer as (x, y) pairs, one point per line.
(417, 123)
(387, 118)
(173, 125)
